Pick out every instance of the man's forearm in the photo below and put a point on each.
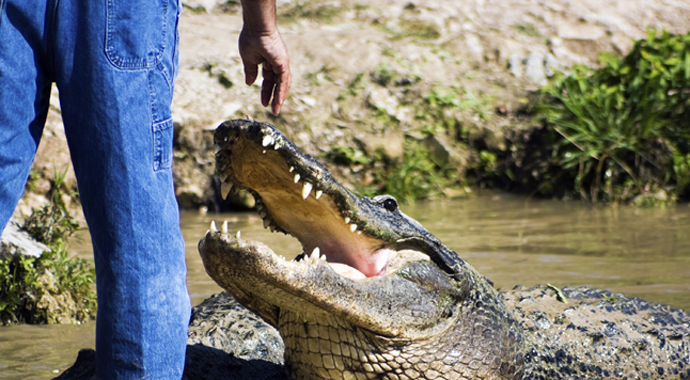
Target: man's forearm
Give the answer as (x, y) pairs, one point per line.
(259, 16)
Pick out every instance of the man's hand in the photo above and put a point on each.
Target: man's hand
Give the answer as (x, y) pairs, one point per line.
(261, 44)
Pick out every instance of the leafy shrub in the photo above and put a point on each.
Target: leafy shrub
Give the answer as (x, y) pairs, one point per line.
(54, 287)
(623, 129)
(416, 177)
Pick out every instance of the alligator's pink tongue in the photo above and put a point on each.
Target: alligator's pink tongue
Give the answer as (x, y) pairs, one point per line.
(360, 264)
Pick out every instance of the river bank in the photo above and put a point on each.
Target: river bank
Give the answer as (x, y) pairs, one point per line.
(377, 85)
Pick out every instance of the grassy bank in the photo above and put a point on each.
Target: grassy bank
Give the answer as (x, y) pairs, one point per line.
(54, 287)
(615, 133)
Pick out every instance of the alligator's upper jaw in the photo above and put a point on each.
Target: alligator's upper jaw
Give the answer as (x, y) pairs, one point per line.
(296, 195)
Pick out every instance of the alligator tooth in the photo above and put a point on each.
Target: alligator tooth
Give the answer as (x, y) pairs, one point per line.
(276, 146)
(292, 168)
(306, 190)
(323, 258)
(315, 253)
(353, 227)
(262, 213)
(347, 220)
(268, 140)
(318, 194)
(224, 229)
(266, 223)
(359, 232)
(213, 227)
(296, 178)
(238, 234)
(272, 228)
(216, 148)
(225, 188)
(264, 151)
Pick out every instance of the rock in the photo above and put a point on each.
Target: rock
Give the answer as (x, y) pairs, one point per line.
(474, 47)
(389, 146)
(552, 64)
(581, 31)
(381, 99)
(17, 242)
(515, 65)
(534, 70)
(444, 153)
(535, 67)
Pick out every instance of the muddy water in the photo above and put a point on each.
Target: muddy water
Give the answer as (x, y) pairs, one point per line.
(640, 252)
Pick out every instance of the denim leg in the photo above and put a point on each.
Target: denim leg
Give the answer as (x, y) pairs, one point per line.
(115, 63)
(24, 96)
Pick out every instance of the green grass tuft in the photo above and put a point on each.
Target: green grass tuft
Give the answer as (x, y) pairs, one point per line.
(624, 128)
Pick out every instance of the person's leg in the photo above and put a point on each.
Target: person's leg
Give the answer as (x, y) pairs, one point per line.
(24, 96)
(115, 63)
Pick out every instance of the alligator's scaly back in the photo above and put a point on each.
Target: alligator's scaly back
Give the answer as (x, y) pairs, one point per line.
(581, 333)
(375, 295)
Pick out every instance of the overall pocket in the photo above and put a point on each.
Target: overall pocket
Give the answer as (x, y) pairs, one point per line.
(162, 144)
(136, 33)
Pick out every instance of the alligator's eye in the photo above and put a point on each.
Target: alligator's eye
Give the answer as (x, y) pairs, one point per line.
(390, 204)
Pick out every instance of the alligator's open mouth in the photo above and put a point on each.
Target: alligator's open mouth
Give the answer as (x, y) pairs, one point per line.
(354, 249)
(297, 195)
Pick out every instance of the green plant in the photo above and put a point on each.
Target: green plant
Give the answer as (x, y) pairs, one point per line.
(441, 105)
(323, 74)
(383, 74)
(40, 289)
(624, 125)
(52, 223)
(347, 156)
(528, 29)
(353, 88)
(215, 72)
(416, 177)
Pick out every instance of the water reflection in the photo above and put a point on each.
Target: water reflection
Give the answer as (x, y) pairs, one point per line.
(640, 252)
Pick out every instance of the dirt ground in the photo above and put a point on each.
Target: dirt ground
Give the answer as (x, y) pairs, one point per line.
(356, 61)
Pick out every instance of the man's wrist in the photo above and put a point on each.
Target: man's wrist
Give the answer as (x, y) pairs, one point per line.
(259, 17)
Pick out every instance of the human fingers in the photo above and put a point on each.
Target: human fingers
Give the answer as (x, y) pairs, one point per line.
(280, 91)
(267, 84)
(251, 71)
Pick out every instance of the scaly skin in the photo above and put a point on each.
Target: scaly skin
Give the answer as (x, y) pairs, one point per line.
(392, 302)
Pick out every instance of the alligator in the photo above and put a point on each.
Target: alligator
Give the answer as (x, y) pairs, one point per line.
(374, 295)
